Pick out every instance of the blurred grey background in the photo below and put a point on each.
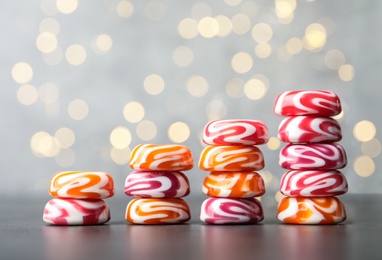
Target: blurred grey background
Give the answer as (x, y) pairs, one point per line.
(83, 82)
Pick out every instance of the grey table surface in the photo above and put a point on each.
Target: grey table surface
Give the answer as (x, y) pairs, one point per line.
(23, 235)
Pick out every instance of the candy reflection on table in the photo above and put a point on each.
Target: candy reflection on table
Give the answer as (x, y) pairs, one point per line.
(157, 211)
(309, 129)
(164, 184)
(164, 157)
(233, 184)
(300, 210)
(312, 156)
(81, 185)
(235, 132)
(76, 212)
(231, 211)
(314, 183)
(231, 158)
(307, 102)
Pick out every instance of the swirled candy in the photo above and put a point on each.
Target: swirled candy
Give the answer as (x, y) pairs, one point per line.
(166, 157)
(309, 129)
(235, 132)
(300, 210)
(81, 185)
(231, 158)
(312, 157)
(76, 212)
(314, 183)
(307, 102)
(157, 184)
(157, 211)
(231, 211)
(233, 185)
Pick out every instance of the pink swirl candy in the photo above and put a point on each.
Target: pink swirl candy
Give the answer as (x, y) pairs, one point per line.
(231, 211)
(157, 184)
(309, 129)
(312, 157)
(235, 132)
(76, 212)
(313, 183)
(307, 102)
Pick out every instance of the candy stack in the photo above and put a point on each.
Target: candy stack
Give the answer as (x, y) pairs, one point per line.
(159, 184)
(78, 198)
(312, 158)
(232, 159)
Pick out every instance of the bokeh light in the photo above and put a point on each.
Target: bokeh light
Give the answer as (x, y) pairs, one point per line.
(102, 44)
(27, 95)
(216, 109)
(66, 158)
(315, 37)
(120, 137)
(200, 10)
(120, 156)
(234, 88)
(208, 27)
(125, 9)
(241, 24)
(133, 112)
(371, 148)
(263, 50)
(334, 59)
(48, 93)
(46, 42)
(273, 143)
(242, 62)
(75, 54)
(178, 132)
(155, 10)
(78, 109)
(65, 137)
(183, 56)
(44, 145)
(346, 72)
(22, 72)
(262, 32)
(49, 25)
(66, 6)
(188, 28)
(225, 25)
(154, 84)
(364, 166)
(364, 131)
(197, 86)
(146, 130)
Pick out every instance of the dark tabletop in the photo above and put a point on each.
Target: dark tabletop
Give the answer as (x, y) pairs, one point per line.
(24, 235)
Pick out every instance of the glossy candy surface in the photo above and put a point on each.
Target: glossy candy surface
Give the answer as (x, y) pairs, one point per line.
(309, 129)
(231, 158)
(231, 211)
(76, 212)
(307, 102)
(235, 132)
(166, 157)
(312, 157)
(233, 185)
(81, 185)
(157, 184)
(157, 211)
(313, 183)
(327, 210)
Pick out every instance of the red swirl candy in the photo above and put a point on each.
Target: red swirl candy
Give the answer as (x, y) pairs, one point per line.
(231, 158)
(313, 157)
(231, 211)
(233, 185)
(157, 184)
(307, 102)
(76, 212)
(235, 132)
(309, 129)
(313, 183)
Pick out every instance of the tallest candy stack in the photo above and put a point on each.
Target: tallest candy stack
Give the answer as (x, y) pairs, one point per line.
(312, 158)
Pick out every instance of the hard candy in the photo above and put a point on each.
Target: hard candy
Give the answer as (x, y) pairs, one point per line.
(233, 185)
(307, 102)
(309, 129)
(157, 211)
(312, 157)
(231, 158)
(81, 185)
(231, 211)
(169, 184)
(235, 132)
(76, 212)
(165, 157)
(300, 210)
(314, 183)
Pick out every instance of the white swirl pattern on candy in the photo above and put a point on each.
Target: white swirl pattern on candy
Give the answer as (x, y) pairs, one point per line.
(308, 129)
(313, 183)
(231, 132)
(312, 156)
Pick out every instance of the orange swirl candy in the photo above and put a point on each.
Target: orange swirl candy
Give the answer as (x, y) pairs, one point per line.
(81, 185)
(166, 157)
(231, 158)
(233, 185)
(157, 211)
(300, 210)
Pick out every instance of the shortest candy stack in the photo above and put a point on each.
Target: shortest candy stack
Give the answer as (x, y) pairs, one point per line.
(232, 158)
(158, 183)
(312, 158)
(78, 198)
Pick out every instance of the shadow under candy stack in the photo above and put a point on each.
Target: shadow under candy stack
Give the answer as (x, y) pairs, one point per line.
(312, 158)
(78, 198)
(159, 184)
(232, 159)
